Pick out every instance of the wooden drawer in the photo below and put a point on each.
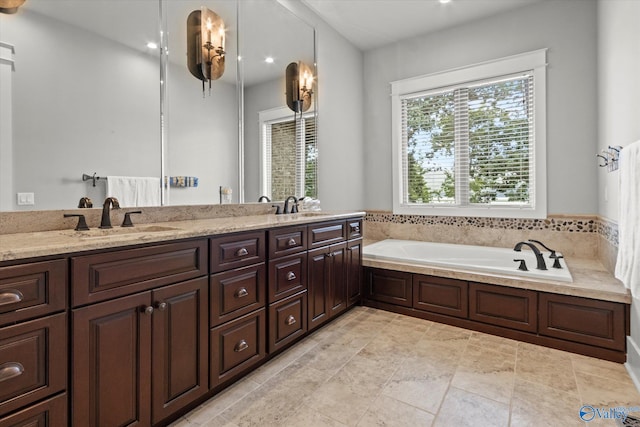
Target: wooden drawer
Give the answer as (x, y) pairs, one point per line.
(593, 322)
(236, 346)
(286, 241)
(287, 276)
(287, 321)
(393, 287)
(441, 295)
(108, 275)
(502, 306)
(326, 233)
(32, 290)
(33, 361)
(354, 228)
(49, 413)
(237, 250)
(237, 292)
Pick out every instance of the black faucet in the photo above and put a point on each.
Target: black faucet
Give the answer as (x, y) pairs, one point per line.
(553, 253)
(294, 208)
(106, 219)
(541, 264)
(264, 198)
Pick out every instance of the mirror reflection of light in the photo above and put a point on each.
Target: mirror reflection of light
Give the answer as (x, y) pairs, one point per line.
(152, 45)
(268, 60)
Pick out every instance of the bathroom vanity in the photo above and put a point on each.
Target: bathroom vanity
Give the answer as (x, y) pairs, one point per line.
(138, 328)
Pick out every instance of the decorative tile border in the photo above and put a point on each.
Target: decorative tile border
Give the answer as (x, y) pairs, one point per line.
(586, 224)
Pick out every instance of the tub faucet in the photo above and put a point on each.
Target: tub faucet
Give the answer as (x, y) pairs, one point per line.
(264, 199)
(106, 218)
(294, 207)
(539, 257)
(553, 252)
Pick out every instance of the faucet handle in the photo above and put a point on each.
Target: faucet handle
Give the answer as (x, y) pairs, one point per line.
(127, 218)
(82, 223)
(556, 262)
(278, 211)
(523, 265)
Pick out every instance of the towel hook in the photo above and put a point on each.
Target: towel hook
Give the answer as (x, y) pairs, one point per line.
(605, 158)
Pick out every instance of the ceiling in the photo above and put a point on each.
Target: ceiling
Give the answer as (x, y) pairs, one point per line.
(373, 23)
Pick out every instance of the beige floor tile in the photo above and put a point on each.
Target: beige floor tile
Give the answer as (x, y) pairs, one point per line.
(493, 342)
(367, 376)
(602, 368)
(535, 405)
(461, 408)
(307, 417)
(340, 402)
(546, 366)
(447, 334)
(605, 392)
(389, 412)
(219, 422)
(265, 407)
(487, 373)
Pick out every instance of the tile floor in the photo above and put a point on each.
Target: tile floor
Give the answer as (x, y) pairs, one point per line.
(374, 368)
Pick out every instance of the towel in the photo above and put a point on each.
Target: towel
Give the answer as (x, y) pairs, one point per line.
(134, 191)
(628, 264)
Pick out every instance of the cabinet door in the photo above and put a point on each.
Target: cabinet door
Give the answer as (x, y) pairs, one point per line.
(338, 279)
(354, 272)
(111, 363)
(318, 284)
(393, 287)
(504, 306)
(49, 413)
(180, 348)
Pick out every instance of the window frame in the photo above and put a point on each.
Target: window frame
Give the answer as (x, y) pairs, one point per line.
(533, 62)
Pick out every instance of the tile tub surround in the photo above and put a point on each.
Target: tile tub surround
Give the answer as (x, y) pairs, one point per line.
(372, 367)
(587, 237)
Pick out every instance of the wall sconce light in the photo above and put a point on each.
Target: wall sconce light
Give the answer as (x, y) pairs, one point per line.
(205, 46)
(299, 86)
(10, 6)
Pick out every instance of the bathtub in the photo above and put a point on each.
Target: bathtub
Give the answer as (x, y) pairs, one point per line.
(466, 257)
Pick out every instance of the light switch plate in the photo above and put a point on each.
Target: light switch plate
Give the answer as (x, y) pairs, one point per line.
(26, 199)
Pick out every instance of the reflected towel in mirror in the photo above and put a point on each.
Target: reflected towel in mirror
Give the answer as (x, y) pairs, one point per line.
(134, 191)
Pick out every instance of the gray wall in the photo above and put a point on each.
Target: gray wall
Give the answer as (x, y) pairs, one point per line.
(566, 28)
(618, 118)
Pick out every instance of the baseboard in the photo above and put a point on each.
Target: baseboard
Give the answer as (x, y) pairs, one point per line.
(633, 361)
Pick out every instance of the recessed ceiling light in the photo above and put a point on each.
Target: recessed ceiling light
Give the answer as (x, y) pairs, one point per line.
(268, 60)
(152, 45)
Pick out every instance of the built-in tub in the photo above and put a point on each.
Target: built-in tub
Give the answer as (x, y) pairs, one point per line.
(466, 257)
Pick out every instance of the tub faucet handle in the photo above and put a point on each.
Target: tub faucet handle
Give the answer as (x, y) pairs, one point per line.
(556, 262)
(523, 264)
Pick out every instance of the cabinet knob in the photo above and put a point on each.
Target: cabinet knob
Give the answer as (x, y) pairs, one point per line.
(162, 306)
(290, 320)
(291, 275)
(242, 345)
(291, 242)
(10, 370)
(242, 292)
(355, 228)
(10, 297)
(242, 252)
(148, 309)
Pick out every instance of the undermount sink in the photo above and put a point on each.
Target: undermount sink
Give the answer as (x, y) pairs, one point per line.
(100, 233)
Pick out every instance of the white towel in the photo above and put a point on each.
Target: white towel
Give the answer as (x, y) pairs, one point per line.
(628, 263)
(134, 191)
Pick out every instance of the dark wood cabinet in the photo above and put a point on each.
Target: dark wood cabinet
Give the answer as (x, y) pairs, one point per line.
(354, 271)
(237, 292)
(337, 279)
(393, 287)
(48, 413)
(287, 321)
(327, 283)
(503, 306)
(237, 250)
(441, 295)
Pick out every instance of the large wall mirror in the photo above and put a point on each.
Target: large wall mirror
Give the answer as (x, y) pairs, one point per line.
(81, 95)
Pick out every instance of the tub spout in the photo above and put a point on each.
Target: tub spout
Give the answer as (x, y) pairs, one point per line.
(539, 257)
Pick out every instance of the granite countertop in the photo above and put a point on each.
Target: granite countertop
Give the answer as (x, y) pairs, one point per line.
(46, 243)
(590, 278)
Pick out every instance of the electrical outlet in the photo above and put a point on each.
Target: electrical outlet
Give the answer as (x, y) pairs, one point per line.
(26, 199)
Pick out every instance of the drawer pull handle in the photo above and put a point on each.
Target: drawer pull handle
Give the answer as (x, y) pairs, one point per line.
(242, 252)
(291, 275)
(242, 345)
(10, 370)
(242, 292)
(148, 310)
(162, 306)
(355, 228)
(10, 297)
(290, 320)
(291, 242)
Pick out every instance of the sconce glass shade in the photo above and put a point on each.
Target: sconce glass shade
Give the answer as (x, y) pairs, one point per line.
(299, 86)
(205, 45)
(10, 6)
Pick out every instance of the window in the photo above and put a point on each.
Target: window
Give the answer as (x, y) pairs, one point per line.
(288, 154)
(471, 141)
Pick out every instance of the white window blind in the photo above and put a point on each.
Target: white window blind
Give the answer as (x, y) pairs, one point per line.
(471, 146)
